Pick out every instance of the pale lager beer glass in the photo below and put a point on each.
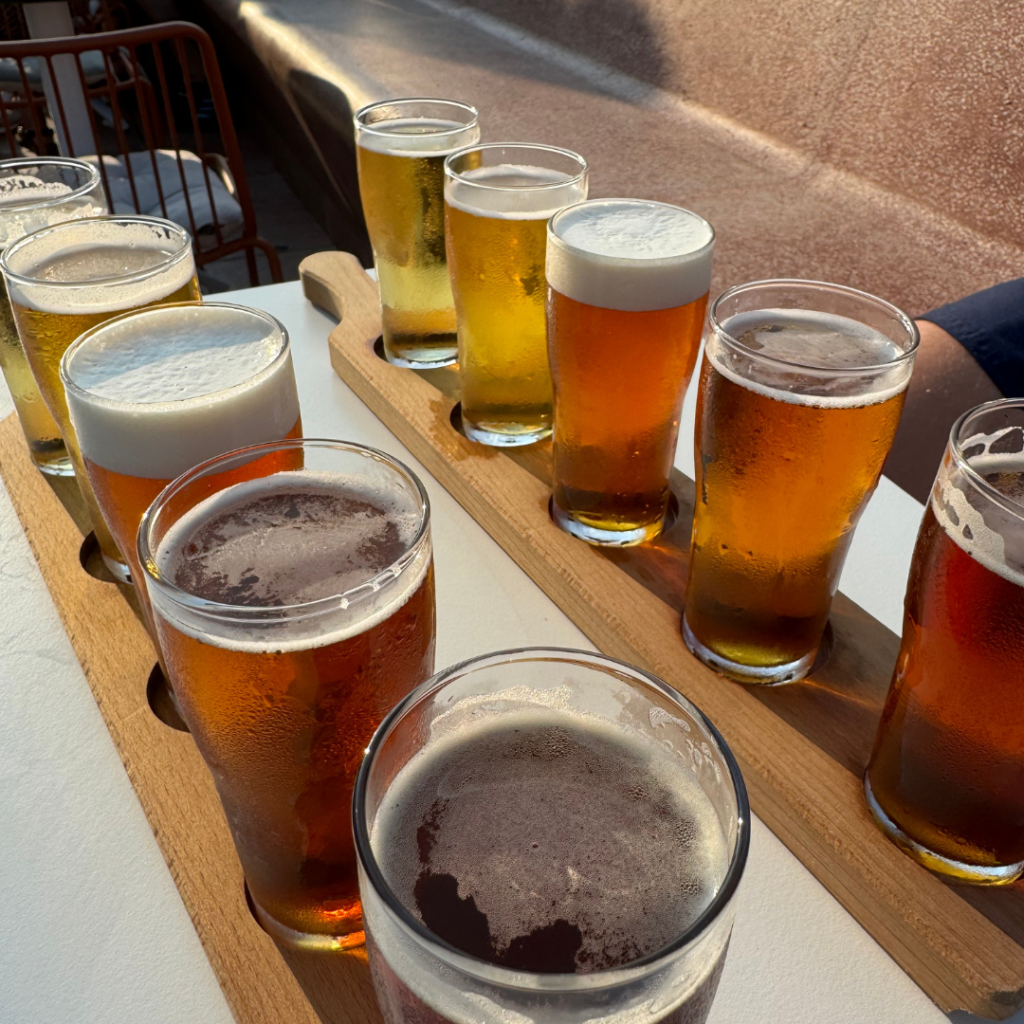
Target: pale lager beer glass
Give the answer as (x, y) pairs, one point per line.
(295, 608)
(65, 279)
(401, 146)
(801, 392)
(35, 193)
(944, 781)
(498, 200)
(628, 284)
(549, 836)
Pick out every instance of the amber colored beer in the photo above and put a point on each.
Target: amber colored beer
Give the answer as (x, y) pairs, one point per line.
(796, 412)
(946, 779)
(401, 147)
(293, 612)
(628, 283)
(498, 200)
(153, 393)
(66, 279)
(34, 193)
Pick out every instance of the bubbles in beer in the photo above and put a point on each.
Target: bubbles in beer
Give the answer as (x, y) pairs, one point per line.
(544, 841)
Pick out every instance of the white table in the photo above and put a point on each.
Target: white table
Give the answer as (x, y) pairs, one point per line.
(92, 930)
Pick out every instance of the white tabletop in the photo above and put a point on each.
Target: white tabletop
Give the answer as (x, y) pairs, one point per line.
(92, 930)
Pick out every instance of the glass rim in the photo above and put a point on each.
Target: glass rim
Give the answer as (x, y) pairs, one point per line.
(956, 449)
(553, 982)
(70, 384)
(51, 161)
(364, 126)
(638, 260)
(459, 176)
(172, 258)
(274, 613)
(853, 293)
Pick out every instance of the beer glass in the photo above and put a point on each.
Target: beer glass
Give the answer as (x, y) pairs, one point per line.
(801, 391)
(498, 200)
(294, 610)
(628, 283)
(35, 193)
(401, 146)
(155, 392)
(550, 836)
(62, 280)
(944, 781)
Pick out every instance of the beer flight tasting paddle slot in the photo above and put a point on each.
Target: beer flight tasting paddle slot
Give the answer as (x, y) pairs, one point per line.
(802, 747)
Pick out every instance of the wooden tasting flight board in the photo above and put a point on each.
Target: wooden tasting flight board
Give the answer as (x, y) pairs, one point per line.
(801, 747)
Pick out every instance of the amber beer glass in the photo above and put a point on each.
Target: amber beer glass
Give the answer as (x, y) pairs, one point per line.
(550, 836)
(65, 279)
(401, 147)
(155, 392)
(294, 611)
(801, 391)
(945, 778)
(498, 200)
(627, 292)
(35, 193)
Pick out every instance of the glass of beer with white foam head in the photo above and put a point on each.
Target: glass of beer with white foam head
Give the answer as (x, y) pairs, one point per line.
(498, 200)
(550, 836)
(944, 781)
(65, 279)
(295, 607)
(155, 392)
(34, 193)
(628, 285)
(401, 147)
(800, 395)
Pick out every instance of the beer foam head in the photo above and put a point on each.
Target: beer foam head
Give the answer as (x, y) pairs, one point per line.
(291, 539)
(416, 136)
(779, 353)
(156, 392)
(513, 191)
(34, 194)
(558, 828)
(629, 254)
(98, 265)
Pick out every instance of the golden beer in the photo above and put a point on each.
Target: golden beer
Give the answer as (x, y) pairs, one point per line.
(35, 193)
(153, 393)
(401, 147)
(66, 279)
(498, 200)
(944, 781)
(294, 610)
(799, 402)
(628, 282)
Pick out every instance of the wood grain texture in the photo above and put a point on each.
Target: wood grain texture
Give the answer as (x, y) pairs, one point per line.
(802, 748)
(262, 984)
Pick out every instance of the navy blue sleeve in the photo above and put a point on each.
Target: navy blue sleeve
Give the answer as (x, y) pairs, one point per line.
(990, 325)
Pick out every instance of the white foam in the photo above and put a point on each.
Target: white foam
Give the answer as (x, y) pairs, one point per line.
(416, 136)
(27, 189)
(157, 392)
(513, 192)
(75, 268)
(334, 621)
(629, 254)
(826, 341)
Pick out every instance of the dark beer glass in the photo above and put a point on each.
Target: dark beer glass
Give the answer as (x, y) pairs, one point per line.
(294, 608)
(548, 835)
(946, 779)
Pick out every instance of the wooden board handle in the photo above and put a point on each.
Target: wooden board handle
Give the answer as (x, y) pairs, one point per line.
(337, 283)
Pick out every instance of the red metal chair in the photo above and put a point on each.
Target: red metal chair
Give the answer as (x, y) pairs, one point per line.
(158, 125)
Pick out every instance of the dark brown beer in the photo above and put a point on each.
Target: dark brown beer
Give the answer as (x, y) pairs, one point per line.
(948, 764)
(281, 714)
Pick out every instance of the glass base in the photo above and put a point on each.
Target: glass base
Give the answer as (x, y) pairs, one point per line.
(605, 538)
(117, 569)
(414, 353)
(751, 675)
(54, 467)
(976, 874)
(511, 438)
(303, 940)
